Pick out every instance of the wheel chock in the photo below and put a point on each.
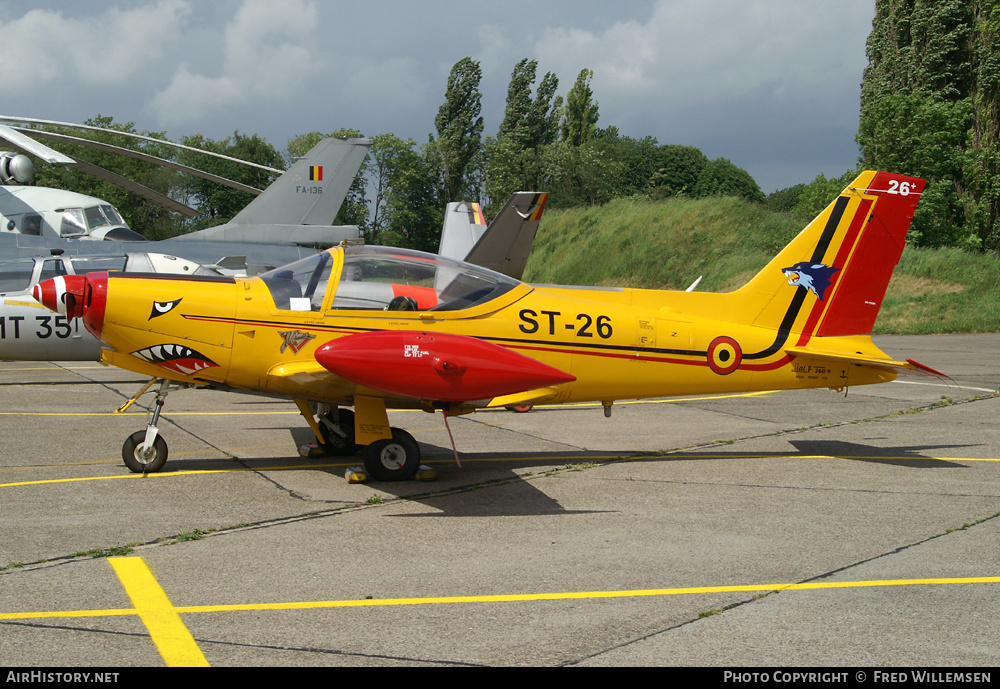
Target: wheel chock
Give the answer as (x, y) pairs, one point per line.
(312, 451)
(425, 473)
(356, 475)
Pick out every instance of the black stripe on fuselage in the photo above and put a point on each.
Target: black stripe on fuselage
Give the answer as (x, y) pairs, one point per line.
(222, 279)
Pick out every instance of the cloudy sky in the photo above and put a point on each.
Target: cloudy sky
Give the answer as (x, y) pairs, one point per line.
(772, 85)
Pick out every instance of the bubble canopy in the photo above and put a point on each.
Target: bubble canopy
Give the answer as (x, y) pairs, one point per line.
(383, 279)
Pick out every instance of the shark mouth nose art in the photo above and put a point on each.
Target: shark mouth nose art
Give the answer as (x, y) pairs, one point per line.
(176, 358)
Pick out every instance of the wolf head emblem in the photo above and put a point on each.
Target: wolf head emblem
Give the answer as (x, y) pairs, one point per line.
(815, 277)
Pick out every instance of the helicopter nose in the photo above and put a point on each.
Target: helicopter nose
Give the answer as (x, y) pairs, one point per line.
(76, 296)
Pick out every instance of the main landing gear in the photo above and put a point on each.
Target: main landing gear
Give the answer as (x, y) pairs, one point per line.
(395, 459)
(389, 459)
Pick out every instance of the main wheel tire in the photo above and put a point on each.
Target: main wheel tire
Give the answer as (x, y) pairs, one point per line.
(139, 463)
(333, 443)
(393, 460)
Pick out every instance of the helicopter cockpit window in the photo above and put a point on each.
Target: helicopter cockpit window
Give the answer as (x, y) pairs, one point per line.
(100, 216)
(95, 218)
(15, 276)
(113, 216)
(384, 279)
(73, 223)
(300, 286)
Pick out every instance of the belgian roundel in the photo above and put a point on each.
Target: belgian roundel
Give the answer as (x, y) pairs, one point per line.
(724, 355)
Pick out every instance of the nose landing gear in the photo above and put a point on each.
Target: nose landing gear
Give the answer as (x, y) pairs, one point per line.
(145, 452)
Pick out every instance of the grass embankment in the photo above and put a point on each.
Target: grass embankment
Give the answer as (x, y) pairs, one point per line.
(667, 245)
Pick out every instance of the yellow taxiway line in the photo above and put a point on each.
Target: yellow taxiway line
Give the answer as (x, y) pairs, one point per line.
(561, 461)
(172, 638)
(178, 647)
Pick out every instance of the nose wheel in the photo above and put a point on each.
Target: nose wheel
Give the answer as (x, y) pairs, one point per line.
(143, 459)
(145, 452)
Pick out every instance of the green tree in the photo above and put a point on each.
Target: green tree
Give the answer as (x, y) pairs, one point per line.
(512, 159)
(531, 122)
(404, 195)
(459, 131)
(784, 200)
(929, 104)
(580, 175)
(413, 212)
(720, 177)
(811, 199)
(579, 122)
(677, 170)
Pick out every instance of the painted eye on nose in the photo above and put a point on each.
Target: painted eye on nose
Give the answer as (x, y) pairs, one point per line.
(162, 307)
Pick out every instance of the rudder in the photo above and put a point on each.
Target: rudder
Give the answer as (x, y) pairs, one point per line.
(840, 263)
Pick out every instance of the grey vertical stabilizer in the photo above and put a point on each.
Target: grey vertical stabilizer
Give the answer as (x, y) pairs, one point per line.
(312, 190)
(506, 243)
(464, 224)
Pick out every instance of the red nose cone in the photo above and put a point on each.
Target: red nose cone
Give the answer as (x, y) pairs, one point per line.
(439, 367)
(76, 296)
(62, 294)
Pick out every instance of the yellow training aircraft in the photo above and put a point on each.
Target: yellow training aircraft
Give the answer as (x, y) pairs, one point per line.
(375, 328)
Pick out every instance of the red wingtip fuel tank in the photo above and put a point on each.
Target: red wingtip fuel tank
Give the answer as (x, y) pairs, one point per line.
(76, 296)
(439, 367)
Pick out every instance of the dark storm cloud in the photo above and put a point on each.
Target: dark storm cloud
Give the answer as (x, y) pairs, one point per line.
(772, 85)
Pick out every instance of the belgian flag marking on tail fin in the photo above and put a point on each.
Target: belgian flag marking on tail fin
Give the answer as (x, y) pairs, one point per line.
(316, 173)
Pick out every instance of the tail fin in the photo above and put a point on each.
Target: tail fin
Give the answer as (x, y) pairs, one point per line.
(505, 245)
(312, 190)
(464, 224)
(840, 264)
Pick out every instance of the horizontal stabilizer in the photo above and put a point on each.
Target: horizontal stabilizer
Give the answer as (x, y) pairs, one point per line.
(301, 235)
(909, 366)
